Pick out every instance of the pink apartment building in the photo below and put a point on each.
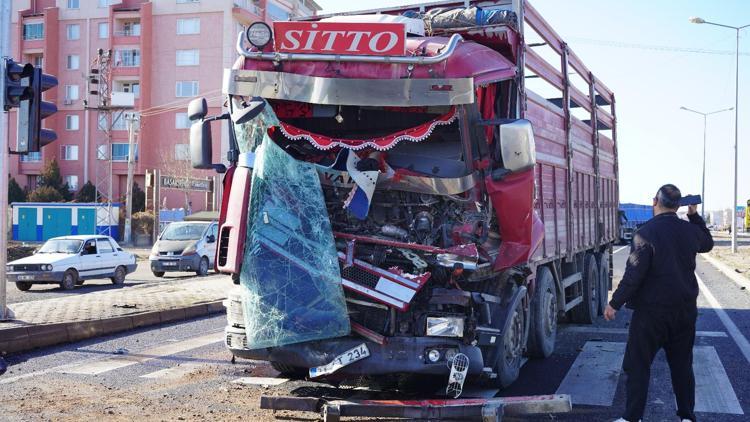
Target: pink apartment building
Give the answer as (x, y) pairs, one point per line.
(165, 52)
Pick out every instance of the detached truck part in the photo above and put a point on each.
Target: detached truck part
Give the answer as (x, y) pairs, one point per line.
(398, 201)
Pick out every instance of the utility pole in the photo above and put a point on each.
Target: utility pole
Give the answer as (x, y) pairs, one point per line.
(132, 120)
(4, 148)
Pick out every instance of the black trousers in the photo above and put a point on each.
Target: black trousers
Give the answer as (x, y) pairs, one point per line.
(651, 330)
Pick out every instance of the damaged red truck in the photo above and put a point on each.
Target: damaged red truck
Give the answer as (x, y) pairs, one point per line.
(397, 201)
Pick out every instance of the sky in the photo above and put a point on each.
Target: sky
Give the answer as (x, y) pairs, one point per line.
(655, 62)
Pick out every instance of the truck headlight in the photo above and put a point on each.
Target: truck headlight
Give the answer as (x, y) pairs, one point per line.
(445, 326)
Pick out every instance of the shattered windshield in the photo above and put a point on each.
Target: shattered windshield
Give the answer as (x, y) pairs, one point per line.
(290, 274)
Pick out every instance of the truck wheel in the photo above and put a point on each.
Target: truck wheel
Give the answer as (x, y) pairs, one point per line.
(69, 280)
(511, 350)
(587, 311)
(603, 281)
(23, 285)
(288, 370)
(543, 329)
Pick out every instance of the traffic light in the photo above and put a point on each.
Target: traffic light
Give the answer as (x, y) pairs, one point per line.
(15, 83)
(39, 110)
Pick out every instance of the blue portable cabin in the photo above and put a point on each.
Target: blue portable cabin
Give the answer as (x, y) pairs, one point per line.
(39, 221)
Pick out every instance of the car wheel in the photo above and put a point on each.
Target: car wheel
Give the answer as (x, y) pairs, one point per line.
(69, 280)
(203, 267)
(23, 285)
(119, 277)
(158, 273)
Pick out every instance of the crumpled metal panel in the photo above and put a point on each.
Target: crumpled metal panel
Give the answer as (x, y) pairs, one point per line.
(290, 274)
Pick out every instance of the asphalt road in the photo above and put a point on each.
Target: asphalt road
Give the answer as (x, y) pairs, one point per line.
(183, 371)
(142, 275)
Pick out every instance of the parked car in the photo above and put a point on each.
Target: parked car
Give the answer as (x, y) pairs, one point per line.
(71, 260)
(185, 246)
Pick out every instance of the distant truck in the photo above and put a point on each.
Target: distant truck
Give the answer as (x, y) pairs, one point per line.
(632, 216)
(398, 202)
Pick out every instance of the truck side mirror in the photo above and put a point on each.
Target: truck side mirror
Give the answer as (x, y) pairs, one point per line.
(197, 109)
(201, 145)
(517, 148)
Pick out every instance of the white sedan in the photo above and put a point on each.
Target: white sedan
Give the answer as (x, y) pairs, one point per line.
(70, 260)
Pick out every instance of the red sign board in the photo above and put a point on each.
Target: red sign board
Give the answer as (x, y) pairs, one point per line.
(376, 39)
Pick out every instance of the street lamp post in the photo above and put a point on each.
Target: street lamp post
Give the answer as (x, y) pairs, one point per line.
(736, 118)
(703, 181)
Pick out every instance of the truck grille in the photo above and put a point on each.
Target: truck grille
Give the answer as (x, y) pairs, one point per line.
(27, 267)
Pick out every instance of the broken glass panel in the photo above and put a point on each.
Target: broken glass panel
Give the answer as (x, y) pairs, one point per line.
(290, 273)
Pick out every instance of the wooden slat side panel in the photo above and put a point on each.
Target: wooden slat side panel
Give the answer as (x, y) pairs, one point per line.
(561, 201)
(542, 68)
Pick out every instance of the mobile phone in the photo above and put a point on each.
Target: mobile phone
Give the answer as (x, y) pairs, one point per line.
(690, 200)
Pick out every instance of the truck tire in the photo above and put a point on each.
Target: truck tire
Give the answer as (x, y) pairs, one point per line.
(509, 362)
(288, 370)
(587, 311)
(604, 277)
(543, 330)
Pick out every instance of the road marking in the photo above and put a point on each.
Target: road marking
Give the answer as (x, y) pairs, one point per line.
(174, 372)
(603, 330)
(110, 364)
(619, 249)
(592, 379)
(713, 391)
(262, 381)
(736, 334)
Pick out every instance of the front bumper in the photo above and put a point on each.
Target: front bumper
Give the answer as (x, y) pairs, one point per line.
(37, 277)
(398, 355)
(175, 263)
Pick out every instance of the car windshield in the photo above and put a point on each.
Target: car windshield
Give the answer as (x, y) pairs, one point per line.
(184, 231)
(61, 246)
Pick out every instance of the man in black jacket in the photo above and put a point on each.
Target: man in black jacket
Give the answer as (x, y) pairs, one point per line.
(659, 284)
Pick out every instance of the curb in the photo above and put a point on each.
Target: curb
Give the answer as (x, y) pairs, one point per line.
(25, 338)
(728, 272)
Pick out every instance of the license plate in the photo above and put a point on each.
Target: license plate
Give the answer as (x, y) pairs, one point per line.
(350, 356)
(25, 277)
(170, 264)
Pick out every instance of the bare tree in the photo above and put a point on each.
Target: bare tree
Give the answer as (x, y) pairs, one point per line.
(174, 160)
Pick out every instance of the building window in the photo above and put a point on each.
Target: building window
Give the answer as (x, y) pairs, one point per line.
(181, 121)
(182, 152)
(188, 57)
(120, 152)
(278, 13)
(71, 92)
(131, 29)
(38, 62)
(33, 31)
(186, 89)
(74, 31)
(103, 30)
(71, 122)
(72, 182)
(73, 62)
(134, 87)
(128, 58)
(73, 4)
(31, 157)
(119, 122)
(70, 152)
(106, 3)
(188, 26)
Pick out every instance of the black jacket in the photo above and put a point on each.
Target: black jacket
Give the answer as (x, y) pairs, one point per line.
(660, 272)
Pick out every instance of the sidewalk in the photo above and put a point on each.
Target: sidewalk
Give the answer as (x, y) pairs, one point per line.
(44, 323)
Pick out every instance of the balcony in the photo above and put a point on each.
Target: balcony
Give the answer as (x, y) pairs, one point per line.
(126, 31)
(247, 11)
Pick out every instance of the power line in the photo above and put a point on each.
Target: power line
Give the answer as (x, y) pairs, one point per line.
(654, 47)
